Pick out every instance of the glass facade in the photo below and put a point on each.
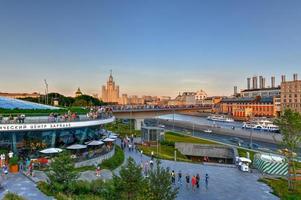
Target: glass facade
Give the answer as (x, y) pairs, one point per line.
(31, 142)
(9, 103)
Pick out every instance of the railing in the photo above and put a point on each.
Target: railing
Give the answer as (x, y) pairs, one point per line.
(47, 119)
(129, 108)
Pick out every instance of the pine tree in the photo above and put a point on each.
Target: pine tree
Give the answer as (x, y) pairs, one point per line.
(159, 184)
(130, 183)
(61, 172)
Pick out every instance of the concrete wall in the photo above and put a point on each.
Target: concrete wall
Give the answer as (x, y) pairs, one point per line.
(95, 161)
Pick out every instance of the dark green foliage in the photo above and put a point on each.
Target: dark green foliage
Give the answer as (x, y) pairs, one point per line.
(61, 172)
(115, 161)
(14, 160)
(168, 143)
(159, 185)
(290, 128)
(130, 184)
(12, 196)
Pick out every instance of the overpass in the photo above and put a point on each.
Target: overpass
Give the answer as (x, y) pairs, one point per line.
(141, 113)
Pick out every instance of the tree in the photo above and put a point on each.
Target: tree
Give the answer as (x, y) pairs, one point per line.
(290, 128)
(130, 184)
(61, 173)
(159, 184)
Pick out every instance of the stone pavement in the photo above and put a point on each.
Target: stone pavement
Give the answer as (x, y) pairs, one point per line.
(224, 183)
(21, 185)
(90, 175)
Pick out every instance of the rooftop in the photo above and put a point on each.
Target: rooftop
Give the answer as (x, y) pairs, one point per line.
(9, 103)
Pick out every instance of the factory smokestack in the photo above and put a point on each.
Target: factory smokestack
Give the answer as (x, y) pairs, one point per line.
(273, 82)
(255, 82)
(282, 78)
(249, 83)
(295, 77)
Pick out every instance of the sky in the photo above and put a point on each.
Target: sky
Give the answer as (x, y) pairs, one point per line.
(153, 47)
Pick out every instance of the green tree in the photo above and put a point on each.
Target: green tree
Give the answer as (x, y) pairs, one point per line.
(290, 127)
(61, 172)
(130, 184)
(159, 184)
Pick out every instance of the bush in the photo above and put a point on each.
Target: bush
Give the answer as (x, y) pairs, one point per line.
(45, 188)
(12, 196)
(168, 143)
(115, 161)
(13, 161)
(80, 187)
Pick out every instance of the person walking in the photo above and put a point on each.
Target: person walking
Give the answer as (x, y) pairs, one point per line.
(206, 181)
(173, 177)
(193, 183)
(197, 180)
(187, 180)
(180, 178)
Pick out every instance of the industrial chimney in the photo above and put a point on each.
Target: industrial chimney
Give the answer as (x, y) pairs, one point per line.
(249, 83)
(273, 82)
(235, 90)
(260, 82)
(255, 82)
(295, 77)
(263, 82)
(282, 78)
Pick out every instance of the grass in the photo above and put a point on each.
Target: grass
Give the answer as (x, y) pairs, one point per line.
(112, 163)
(166, 148)
(41, 112)
(12, 196)
(280, 188)
(123, 129)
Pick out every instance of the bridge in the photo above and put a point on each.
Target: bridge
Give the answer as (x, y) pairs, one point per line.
(139, 113)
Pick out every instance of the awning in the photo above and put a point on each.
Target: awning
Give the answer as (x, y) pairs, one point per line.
(77, 146)
(109, 139)
(51, 150)
(95, 143)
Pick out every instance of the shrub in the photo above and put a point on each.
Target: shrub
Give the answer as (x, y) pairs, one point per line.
(80, 187)
(115, 161)
(12, 196)
(13, 161)
(45, 188)
(168, 143)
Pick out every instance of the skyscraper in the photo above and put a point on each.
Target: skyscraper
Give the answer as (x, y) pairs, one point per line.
(110, 93)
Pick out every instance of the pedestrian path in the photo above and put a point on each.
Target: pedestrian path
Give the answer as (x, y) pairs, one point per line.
(224, 182)
(21, 185)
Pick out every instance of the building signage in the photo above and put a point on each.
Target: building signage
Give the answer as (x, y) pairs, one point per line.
(47, 126)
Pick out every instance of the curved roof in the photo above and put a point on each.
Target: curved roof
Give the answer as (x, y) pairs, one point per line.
(9, 103)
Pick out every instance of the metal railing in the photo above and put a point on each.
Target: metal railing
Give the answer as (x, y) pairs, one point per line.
(47, 119)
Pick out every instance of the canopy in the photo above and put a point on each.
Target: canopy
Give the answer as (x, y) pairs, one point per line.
(95, 143)
(113, 136)
(51, 150)
(77, 146)
(109, 139)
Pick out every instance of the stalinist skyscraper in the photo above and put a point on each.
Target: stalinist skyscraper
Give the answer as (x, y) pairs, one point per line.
(110, 93)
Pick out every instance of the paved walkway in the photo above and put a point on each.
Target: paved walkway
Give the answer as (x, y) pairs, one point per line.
(224, 183)
(21, 185)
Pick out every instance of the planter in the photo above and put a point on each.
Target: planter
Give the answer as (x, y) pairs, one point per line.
(14, 168)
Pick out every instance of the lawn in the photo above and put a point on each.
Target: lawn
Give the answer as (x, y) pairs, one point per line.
(123, 129)
(280, 189)
(111, 163)
(166, 148)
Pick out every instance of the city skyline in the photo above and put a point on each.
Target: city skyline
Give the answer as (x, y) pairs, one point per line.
(154, 48)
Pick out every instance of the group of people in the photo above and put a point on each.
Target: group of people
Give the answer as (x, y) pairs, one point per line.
(99, 112)
(193, 180)
(128, 142)
(69, 116)
(20, 118)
